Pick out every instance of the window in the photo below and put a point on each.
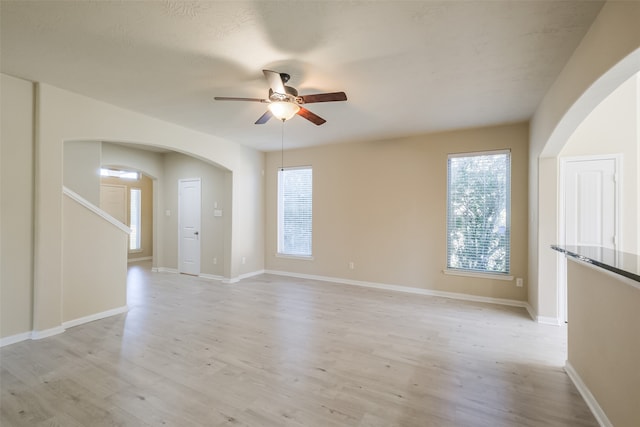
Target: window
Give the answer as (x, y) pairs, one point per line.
(478, 222)
(294, 211)
(113, 173)
(135, 206)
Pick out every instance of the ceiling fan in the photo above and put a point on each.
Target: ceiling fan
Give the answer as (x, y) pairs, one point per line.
(284, 101)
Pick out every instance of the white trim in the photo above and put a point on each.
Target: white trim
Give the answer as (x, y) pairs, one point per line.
(299, 257)
(210, 276)
(406, 289)
(240, 277)
(93, 208)
(144, 258)
(531, 312)
(164, 270)
(591, 401)
(477, 274)
(12, 339)
(38, 335)
(479, 153)
(250, 274)
(96, 316)
(545, 320)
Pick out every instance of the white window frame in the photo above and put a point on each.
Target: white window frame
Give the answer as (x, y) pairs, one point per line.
(482, 273)
(136, 233)
(122, 174)
(280, 217)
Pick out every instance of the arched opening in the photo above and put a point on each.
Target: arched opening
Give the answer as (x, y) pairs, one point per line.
(164, 168)
(546, 187)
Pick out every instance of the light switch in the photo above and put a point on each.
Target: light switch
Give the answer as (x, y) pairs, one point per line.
(167, 212)
(217, 212)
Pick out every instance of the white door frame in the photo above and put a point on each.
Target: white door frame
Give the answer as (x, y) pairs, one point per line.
(180, 181)
(562, 265)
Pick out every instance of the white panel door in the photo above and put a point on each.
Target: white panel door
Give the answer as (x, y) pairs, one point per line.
(590, 210)
(113, 200)
(189, 226)
(590, 203)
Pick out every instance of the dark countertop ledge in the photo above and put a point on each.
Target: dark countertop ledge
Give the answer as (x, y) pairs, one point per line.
(622, 263)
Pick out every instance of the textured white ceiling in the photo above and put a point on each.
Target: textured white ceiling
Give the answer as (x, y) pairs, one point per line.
(407, 67)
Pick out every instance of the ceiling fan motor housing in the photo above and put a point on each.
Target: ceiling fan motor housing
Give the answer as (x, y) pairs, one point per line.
(290, 95)
(289, 101)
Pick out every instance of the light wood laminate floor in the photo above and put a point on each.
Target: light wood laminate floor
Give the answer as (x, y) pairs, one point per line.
(276, 351)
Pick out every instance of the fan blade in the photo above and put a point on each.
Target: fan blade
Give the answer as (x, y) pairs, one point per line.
(264, 118)
(226, 98)
(275, 81)
(313, 118)
(324, 97)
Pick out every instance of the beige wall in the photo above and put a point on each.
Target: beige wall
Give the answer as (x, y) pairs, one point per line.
(17, 206)
(65, 116)
(607, 56)
(604, 341)
(612, 128)
(92, 284)
(82, 169)
(145, 184)
(214, 191)
(383, 205)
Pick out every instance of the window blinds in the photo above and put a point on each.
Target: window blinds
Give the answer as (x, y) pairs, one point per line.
(295, 211)
(478, 217)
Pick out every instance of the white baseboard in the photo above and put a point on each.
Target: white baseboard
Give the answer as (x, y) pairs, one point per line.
(164, 270)
(14, 339)
(407, 289)
(531, 312)
(144, 258)
(96, 316)
(251, 274)
(38, 335)
(591, 401)
(211, 277)
(243, 276)
(544, 320)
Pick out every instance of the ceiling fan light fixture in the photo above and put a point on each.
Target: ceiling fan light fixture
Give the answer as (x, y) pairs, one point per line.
(283, 110)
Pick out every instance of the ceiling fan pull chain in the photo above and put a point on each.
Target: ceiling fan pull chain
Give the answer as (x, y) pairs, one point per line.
(282, 147)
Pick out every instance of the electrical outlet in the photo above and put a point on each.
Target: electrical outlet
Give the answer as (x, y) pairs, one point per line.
(244, 260)
(519, 282)
(215, 260)
(351, 265)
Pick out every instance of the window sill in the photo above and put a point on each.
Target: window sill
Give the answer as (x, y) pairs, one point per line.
(299, 257)
(135, 251)
(478, 274)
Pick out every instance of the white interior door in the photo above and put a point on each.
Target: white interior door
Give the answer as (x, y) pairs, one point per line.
(189, 226)
(591, 201)
(113, 200)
